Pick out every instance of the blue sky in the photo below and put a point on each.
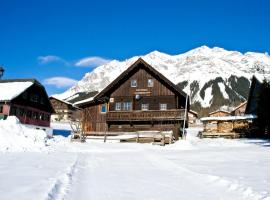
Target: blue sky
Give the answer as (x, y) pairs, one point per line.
(51, 39)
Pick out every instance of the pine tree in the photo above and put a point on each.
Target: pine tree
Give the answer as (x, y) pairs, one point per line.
(263, 111)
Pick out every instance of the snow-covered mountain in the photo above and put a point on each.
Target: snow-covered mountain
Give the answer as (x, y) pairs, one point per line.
(212, 76)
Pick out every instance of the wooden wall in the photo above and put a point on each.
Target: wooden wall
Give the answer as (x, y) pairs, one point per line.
(93, 119)
(142, 88)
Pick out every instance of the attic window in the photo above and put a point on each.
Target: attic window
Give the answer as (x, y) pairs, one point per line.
(133, 83)
(150, 83)
(34, 98)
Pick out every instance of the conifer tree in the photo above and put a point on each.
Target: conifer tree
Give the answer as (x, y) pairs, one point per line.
(263, 111)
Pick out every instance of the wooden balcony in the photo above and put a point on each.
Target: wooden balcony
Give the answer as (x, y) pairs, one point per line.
(148, 115)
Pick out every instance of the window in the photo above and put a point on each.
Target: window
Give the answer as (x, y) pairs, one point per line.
(103, 108)
(127, 106)
(118, 106)
(150, 82)
(163, 106)
(46, 117)
(29, 113)
(145, 106)
(35, 115)
(42, 101)
(34, 98)
(13, 110)
(1, 109)
(133, 83)
(42, 116)
(24, 95)
(21, 112)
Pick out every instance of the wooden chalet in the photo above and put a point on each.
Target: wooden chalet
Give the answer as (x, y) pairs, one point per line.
(27, 100)
(64, 110)
(140, 99)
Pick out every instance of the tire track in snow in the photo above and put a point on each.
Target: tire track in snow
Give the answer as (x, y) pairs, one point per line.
(63, 184)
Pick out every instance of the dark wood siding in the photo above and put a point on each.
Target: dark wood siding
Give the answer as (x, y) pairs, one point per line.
(32, 106)
(93, 119)
(142, 86)
(121, 91)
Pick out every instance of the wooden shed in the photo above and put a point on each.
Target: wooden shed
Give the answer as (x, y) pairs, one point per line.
(228, 126)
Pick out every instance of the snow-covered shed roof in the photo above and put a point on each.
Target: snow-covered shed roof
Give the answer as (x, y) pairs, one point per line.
(63, 101)
(229, 118)
(220, 110)
(10, 89)
(84, 101)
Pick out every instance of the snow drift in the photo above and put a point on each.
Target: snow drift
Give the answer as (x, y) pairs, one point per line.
(15, 136)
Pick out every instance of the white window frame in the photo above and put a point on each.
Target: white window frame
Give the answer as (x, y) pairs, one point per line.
(145, 106)
(133, 83)
(127, 106)
(163, 106)
(150, 82)
(118, 106)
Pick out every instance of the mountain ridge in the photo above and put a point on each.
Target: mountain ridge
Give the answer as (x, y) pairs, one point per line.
(204, 73)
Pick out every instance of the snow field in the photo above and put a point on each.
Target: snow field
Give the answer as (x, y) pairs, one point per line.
(188, 169)
(17, 137)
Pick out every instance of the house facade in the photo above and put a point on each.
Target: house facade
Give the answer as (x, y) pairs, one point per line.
(64, 111)
(139, 99)
(27, 100)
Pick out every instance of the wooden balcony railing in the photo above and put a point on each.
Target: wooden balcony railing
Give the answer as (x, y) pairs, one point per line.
(140, 115)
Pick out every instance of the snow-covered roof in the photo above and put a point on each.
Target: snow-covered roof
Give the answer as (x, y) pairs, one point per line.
(84, 101)
(66, 102)
(229, 118)
(10, 90)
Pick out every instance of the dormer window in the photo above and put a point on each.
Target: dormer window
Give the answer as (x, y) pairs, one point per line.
(150, 83)
(133, 83)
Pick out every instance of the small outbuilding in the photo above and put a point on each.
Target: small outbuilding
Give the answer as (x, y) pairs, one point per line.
(228, 126)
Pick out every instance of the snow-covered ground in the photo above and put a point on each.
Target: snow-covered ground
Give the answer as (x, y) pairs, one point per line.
(188, 169)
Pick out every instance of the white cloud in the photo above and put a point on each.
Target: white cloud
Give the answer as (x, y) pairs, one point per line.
(50, 58)
(92, 61)
(60, 82)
